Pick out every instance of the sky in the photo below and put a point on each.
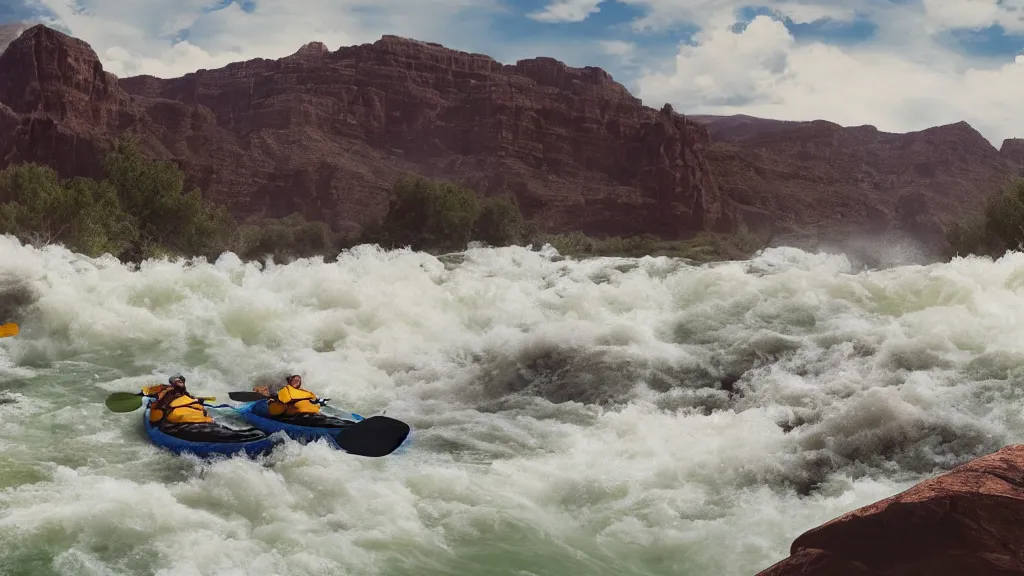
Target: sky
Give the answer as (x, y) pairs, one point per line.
(899, 65)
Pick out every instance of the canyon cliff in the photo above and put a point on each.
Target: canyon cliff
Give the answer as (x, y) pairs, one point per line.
(327, 133)
(819, 180)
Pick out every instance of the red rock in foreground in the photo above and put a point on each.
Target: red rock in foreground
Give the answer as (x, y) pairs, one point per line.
(969, 521)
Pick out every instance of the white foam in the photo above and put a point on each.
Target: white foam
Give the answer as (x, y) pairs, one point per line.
(645, 466)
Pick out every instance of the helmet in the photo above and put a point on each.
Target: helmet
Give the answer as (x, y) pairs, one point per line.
(177, 376)
(289, 379)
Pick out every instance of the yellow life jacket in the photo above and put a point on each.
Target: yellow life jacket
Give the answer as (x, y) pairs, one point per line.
(291, 401)
(175, 406)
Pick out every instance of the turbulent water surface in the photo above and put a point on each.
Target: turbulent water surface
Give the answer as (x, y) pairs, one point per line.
(599, 417)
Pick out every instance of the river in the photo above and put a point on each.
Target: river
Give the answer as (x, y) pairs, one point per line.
(602, 417)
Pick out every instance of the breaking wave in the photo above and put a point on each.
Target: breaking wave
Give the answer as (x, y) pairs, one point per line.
(605, 416)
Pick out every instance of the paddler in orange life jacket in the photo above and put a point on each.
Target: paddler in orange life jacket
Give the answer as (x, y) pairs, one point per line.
(289, 399)
(173, 404)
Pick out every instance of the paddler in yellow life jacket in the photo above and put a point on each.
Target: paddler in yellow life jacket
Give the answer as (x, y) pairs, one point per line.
(173, 404)
(289, 399)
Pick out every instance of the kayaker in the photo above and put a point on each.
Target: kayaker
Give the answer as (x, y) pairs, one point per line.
(177, 413)
(289, 399)
(173, 404)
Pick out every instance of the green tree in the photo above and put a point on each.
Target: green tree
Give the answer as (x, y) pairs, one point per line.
(500, 223)
(138, 211)
(167, 219)
(998, 227)
(425, 214)
(33, 200)
(102, 226)
(285, 238)
(82, 214)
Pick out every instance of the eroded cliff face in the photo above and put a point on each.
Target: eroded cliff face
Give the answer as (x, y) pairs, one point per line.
(327, 133)
(818, 180)
(55, 100)
(1013, 150)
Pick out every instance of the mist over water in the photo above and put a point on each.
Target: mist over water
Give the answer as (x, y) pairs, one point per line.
(605, 416)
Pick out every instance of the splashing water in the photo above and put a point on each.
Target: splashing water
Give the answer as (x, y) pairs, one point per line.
(605, 416)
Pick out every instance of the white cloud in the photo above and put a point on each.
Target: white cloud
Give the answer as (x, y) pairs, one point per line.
(665, 14)
(962, 13)
(139, 36)
(974, 14)
(567, 11)
(930, 16)
(763, 71)
(805, 13)
(619, 48)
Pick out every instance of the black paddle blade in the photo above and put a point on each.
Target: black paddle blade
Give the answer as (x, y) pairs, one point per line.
(374, 437)
(246, 396)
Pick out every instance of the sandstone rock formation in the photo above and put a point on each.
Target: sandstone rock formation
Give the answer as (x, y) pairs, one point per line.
(327, 133)
(1013, 150)
(967, 521)
(821, 180)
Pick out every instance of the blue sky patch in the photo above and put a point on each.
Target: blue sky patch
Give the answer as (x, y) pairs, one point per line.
(990, 41)
(612, 22)
(825, 30)
(245, 5)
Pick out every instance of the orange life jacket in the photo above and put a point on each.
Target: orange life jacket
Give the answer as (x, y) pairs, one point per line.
(175, 405)
(291, 401)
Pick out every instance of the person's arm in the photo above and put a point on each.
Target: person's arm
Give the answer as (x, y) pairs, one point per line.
(151, 390)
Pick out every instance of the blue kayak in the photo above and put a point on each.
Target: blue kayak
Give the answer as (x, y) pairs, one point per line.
(255, 413)
(206, 440)
(373, 437)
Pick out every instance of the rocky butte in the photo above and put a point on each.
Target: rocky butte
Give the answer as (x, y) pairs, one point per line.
(327, 133)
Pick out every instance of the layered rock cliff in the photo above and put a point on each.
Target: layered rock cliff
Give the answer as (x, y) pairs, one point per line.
(967, 521)
(327, 133)
(821, 180)
(1013, 150)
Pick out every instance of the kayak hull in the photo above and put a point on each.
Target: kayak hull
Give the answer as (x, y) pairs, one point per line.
(255, 413)
(205, 449)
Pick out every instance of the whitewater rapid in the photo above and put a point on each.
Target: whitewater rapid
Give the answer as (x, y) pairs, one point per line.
(599, 417)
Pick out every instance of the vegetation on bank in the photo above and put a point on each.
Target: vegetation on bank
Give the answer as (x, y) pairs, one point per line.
(996, 228)
(440, 216)
(704, 247)
(140, 209)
